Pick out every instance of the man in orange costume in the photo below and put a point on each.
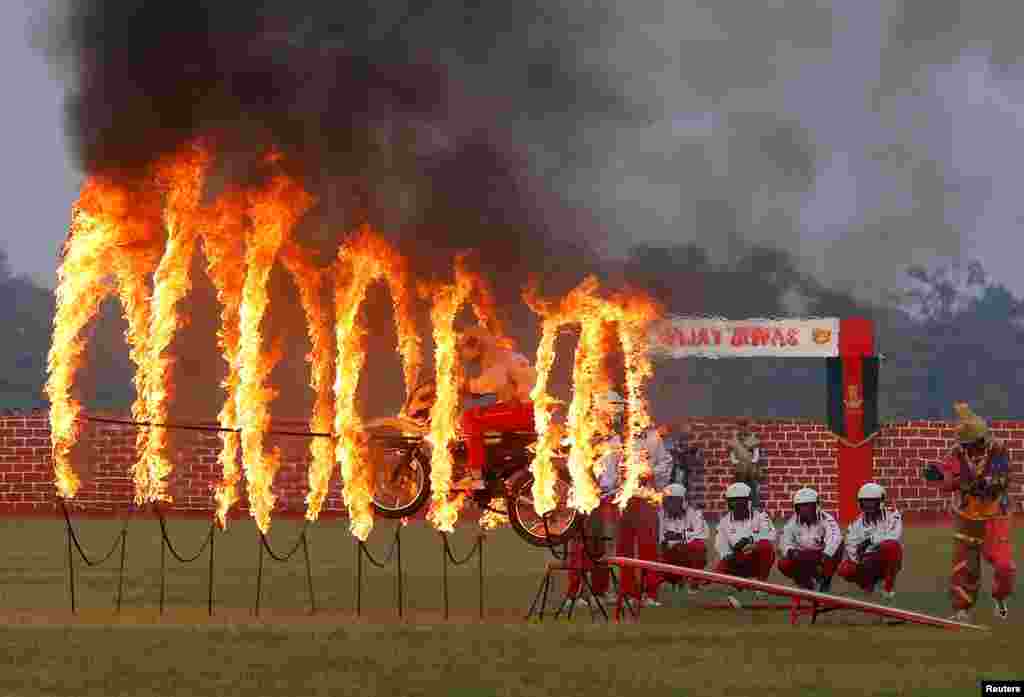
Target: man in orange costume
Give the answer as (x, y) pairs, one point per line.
(977, 472)
(510, 377)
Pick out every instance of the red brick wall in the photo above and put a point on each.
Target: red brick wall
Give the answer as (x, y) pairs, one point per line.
(797, 453)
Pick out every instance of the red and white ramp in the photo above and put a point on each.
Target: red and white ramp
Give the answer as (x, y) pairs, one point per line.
(804, 602)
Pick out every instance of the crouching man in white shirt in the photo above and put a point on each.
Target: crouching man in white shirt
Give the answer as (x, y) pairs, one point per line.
(684, 533)
(745, 540)
(874, 544)
(811, 544)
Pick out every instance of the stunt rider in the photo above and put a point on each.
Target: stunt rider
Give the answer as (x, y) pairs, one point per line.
(510, 377)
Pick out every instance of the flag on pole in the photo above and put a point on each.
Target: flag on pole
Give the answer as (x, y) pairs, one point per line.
(841, 400)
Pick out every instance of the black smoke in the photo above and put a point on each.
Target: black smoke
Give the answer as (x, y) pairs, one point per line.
(391, 112)
(406, 116)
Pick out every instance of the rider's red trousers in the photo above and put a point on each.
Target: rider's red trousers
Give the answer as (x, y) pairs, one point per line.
(503, 417)
(882, 565)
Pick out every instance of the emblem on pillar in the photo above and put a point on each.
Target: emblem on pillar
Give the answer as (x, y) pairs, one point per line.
(853, 401)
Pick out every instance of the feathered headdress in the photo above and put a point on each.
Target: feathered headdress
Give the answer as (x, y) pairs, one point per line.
(971, 427)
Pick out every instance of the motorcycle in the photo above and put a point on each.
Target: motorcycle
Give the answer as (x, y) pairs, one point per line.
(401, 457)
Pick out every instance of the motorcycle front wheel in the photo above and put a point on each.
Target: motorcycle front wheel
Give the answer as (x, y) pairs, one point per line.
(552, 529)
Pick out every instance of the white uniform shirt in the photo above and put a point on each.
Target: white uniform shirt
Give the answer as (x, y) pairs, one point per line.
(758, 526)
(660, 457)
(690, 526)
(608, 480)
(606, 467)
(888, 527)
(824, 535)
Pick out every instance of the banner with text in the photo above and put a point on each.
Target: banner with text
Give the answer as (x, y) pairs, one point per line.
(698, 337)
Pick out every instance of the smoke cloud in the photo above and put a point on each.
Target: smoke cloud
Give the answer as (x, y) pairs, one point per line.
(408, 118)
(390, 113)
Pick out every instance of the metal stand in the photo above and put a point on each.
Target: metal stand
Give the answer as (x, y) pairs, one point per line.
(73, 544)
(538, 608)
(167, 546)
(395, 550)
(447, 556)
(302, 543)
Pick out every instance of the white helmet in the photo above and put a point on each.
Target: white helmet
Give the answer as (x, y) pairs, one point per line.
(805, 495)
(737, 490)
(676, 490)
(871, 491)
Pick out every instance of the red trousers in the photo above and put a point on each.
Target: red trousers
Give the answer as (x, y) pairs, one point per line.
(810, 564)
(638, 538)
(882, 565)
(503, 417)
(692, 555)
(756, 562)
(976, 539)
(601, 524)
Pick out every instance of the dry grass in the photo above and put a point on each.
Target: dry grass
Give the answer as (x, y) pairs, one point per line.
(676, 651)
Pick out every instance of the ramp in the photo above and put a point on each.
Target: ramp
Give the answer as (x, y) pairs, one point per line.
(803, 602)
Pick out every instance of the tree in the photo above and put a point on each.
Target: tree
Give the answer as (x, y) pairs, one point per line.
(945, 291)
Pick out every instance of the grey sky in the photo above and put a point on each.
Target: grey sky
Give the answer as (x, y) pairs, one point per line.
(37, 182)
(838, 134)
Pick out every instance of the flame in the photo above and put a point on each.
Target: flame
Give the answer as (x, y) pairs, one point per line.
(80, 291)
(274, 211)
(139, 233)
(132, 269)
(114, 230)
(111, 226)
(581, 306)
(183, 176)
(633, 336)
(586, 382)
(484, 305)
(494, 519)
(364, 259)
(630, 312)
(448, 300)
(223, 246)
(542, 467)
(350, 334)
(310, 281)
(402, 298)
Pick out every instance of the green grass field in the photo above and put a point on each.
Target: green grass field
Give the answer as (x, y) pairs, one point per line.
(675, 650)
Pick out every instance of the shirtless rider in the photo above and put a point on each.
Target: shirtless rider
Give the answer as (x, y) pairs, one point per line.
(510, 377)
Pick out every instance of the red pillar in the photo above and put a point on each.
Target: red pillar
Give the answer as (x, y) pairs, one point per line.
(856, 342)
